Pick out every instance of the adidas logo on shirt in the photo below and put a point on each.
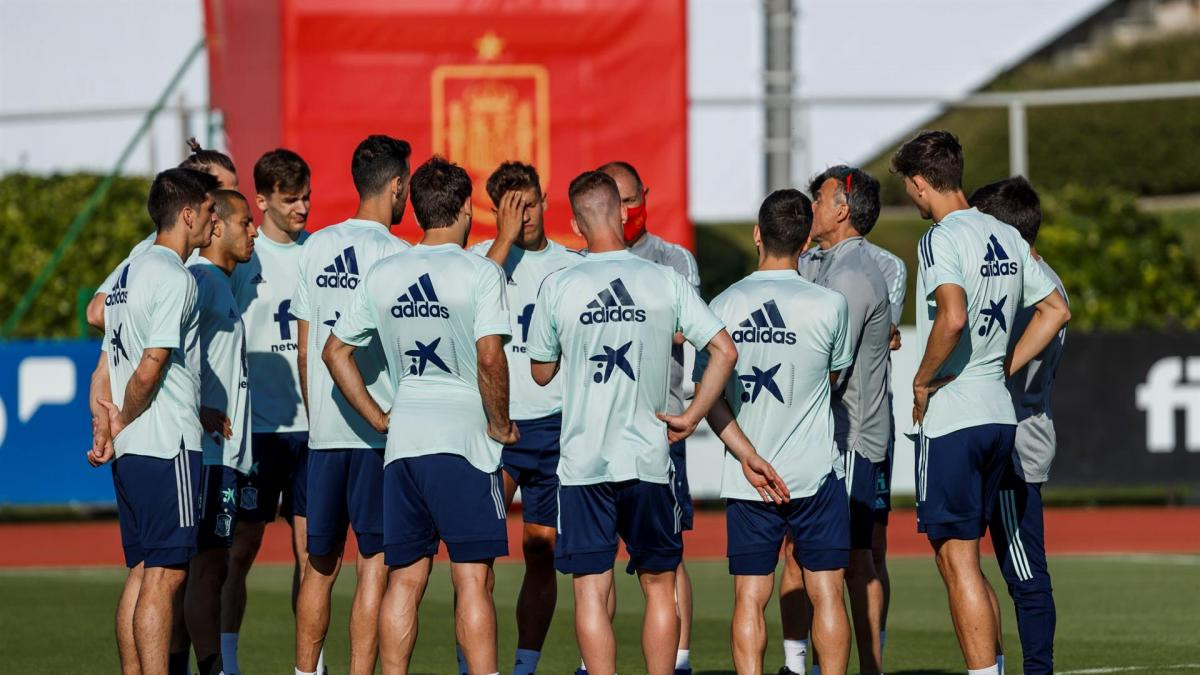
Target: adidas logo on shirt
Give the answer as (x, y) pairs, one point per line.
(995, 261)
(765, 326)
(613, 304)
(420, 301)
(258, 279)
(343, 273)
(118, 293)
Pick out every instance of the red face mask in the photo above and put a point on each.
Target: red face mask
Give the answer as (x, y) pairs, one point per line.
(635, 222)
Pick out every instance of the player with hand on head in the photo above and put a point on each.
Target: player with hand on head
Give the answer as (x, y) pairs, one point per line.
(345, 462)
(649, 246)
(531, 464)
(975, 274)
(145, 405)
(212, 162)
(225, 418)
(794, 339)
(1017, 528)
(609, 324)
(442, 315)
(264, 288)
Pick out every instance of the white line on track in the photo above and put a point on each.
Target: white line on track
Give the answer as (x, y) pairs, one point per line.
(1129, 669)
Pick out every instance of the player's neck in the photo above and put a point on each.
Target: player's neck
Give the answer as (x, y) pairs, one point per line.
(539, 245)
(378, 209)
(606, 242)
(218, 258)
(277, 234)
(1033, 252)
(942, 204)
(176, 240)
(775, 263)
(443, 235)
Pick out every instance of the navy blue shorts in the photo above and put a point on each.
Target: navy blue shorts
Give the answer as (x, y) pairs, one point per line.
(218, 507)
(591, 517)
(156, 507)
(683, 493)
(862, 478)
(819, 526)
(277, 480)
(532, 463)
(345, 489)
(958, 478)
(442, 498)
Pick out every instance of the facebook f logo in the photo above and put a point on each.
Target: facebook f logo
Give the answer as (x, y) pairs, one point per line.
(1169, 388)
(284, 318)
(524, 318)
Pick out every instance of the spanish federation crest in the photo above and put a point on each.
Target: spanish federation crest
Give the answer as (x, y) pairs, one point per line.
(488, 113)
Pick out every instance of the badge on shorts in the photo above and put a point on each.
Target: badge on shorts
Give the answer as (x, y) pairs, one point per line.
(224, 525)
(249, 498)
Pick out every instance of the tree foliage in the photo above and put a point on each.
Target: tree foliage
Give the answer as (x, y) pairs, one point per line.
(1123, 268)
(35, 212)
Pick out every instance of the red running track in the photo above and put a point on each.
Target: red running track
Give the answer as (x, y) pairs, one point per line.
(1095, 531)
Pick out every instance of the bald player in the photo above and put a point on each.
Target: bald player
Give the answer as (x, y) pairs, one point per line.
(609, 324)
(650, 247)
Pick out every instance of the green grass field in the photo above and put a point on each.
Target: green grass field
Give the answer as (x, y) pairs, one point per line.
(1112, 613)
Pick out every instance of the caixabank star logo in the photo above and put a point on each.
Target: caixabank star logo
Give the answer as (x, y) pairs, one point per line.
(488, 113)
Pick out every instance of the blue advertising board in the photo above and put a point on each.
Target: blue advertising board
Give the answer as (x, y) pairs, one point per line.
(45, 425)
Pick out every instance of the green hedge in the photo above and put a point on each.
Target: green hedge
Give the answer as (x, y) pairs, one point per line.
(1124, 268)
(1147, 148)
(35, 212)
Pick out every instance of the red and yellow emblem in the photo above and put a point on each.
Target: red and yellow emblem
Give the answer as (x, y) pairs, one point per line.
(488, 113)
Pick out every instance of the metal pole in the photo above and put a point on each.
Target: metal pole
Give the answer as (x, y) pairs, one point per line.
(778, 78)
(1018, 147)
(185, 127)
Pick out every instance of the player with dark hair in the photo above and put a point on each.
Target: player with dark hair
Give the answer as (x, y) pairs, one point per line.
(608, 323)
(225, 419)
(531, 464)
(264, 288)
(793, 339)
(442, 315)
(1017, 528)
(975, 274)
(648, 246)
(145, 413)
(345, 463)
(212, 162)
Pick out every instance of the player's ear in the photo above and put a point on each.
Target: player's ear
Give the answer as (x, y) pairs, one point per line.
(261, 202)
(624, 214)
(575, 227)
(544, 202)
(757, 237)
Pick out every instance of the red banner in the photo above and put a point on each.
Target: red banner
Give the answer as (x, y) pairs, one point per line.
(563, 84)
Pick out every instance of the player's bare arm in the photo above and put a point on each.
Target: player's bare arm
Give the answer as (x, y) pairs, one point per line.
(493, 387)
(757, 470)
(102, 448)
(339, 359)
(140, 390)
(510, 217)
(302, 360)
(95, 311)
(943, 336)
(722, 357)
(544, 371)
(1049, 316)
